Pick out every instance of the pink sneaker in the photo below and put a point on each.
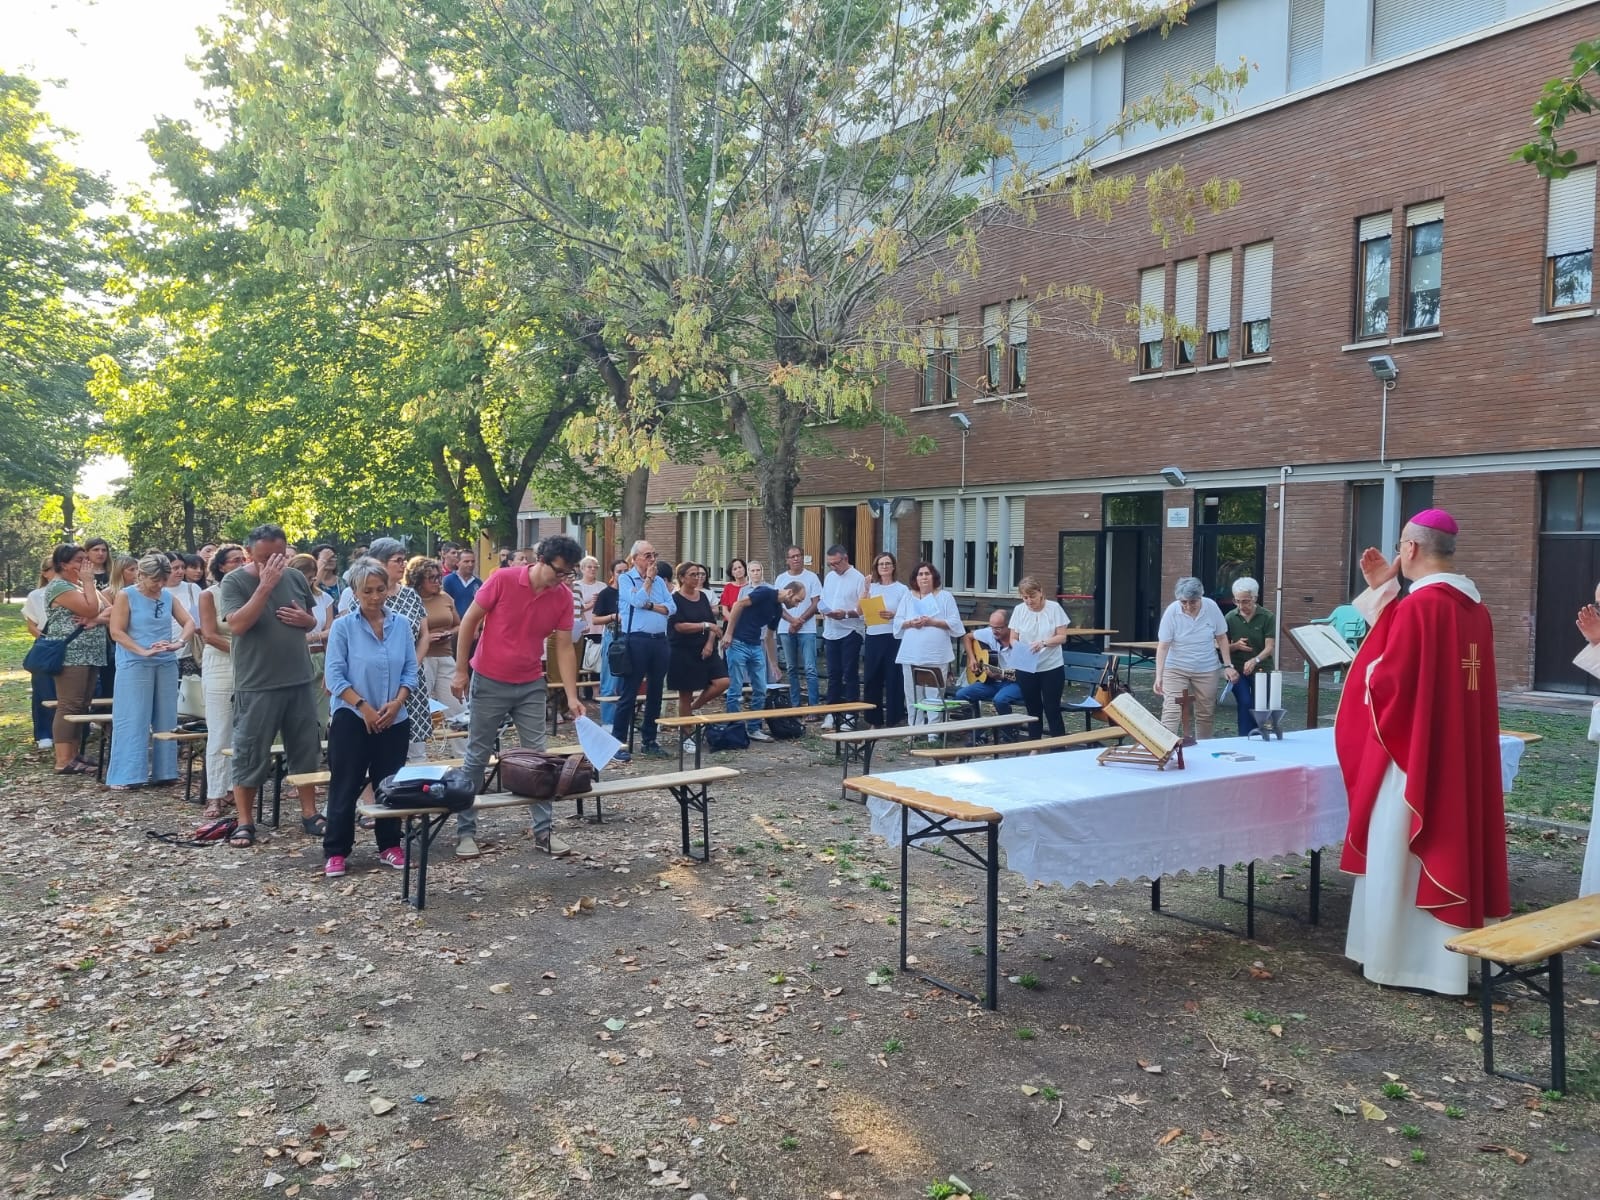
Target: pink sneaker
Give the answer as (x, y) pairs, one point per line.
(394, 857)
(334, 867)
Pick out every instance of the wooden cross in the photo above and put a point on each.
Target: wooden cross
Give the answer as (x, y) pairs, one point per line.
(1470, 664)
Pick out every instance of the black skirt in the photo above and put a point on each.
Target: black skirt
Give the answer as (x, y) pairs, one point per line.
(688, 672)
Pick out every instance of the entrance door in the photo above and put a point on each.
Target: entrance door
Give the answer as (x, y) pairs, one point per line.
(1078, 582)
(1229, 539)
(1569, 567)
(1131, 565)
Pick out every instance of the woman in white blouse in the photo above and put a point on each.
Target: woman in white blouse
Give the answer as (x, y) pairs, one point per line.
(926, 622)
(1041, 626)
(884, 684)
(1589, 660)
(1192, 644)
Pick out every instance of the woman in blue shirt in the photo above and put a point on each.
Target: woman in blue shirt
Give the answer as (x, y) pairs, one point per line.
(142, 622)
(370, 671)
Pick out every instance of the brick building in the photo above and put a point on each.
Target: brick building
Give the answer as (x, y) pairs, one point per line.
(1380, 215)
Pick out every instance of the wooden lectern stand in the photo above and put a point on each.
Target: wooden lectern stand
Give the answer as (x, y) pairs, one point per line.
(1154, 744)
(1325, 650)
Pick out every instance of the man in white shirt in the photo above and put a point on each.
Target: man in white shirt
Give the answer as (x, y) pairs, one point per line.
(844, 629)
(798, 632)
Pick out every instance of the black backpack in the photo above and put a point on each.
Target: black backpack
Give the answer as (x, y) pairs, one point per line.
(727, 735)
(453, 792)
(783, 728)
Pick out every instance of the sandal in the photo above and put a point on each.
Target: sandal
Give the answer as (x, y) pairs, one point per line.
(315, 825)
(75, 768)
(211, 812)
(243, 837)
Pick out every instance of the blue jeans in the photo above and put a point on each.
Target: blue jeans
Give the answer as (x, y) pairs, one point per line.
(1244, 695)
(44, 688)
(799, 649)
(608, 681)
(650, 656)
(1001, 695)
(747, 663)
(146, 702)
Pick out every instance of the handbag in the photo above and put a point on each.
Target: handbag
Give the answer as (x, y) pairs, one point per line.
(541, 776)
(453, 792)
(618, 660)
(782, 728)
(48, 655)
(1108, 687)
(591, 656)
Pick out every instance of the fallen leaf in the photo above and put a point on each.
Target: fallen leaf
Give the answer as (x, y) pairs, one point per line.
(380, 1106)
(1170, 1136)
(1085, 1144)
(1372, 1112)
(1391, 1162)
(1473, 1035)
(1343, 1108)
(1259, 972)
(272, 1180)
(855, 1151)
(360, 1075)
(1275, 1030)
(1029, 1090)
(616, 1024)
(499, 989)
(1516, 1156)
(1151, 1068)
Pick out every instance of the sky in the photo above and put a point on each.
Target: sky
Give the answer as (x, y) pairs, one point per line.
(116, 65)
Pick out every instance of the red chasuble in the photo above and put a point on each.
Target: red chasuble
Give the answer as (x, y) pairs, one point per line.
(1432, 707)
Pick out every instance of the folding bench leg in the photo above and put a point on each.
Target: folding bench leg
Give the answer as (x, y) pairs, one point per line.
(698, 798)
(1493, 975)
(418, 834)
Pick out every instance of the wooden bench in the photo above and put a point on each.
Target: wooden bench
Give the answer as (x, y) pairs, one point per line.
(700, 720)
(691, 789)
(857, 745)
(953, 821)
(278, 769)
(97, 702)
(102, 720)
(1524, 948)
(194, 739)
(1091, 737)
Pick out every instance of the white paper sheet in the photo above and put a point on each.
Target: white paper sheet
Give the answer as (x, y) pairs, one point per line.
(599, 747)
(419, 771)
(1020, 657)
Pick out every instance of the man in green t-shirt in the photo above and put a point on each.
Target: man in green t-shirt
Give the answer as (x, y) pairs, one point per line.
(1252, 635)
(268, 609)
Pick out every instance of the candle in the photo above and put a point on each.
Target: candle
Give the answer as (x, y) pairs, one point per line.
(1261, 693)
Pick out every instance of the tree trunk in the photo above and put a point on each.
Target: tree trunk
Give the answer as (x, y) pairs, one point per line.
(189, 543)
(68, 516)
(457, 517)
(635, 492)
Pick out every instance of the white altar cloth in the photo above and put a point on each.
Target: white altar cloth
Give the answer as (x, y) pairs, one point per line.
(1066, 819)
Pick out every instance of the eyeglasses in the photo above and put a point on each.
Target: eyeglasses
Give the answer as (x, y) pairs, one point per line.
(645, 554)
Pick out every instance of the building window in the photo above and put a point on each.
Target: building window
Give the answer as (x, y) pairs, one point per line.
(987, 532)
(1571, 502)
(1366, 520)
(993, 350)
(709, 536)
(1219, 305)
(1017, 337)
(1186, 309)
(1373, 237)
(1569, 241)
(949, 355)
(1305, 43)
(1152, 292)
(1424, 265)
(930, 365)
(1255, 301)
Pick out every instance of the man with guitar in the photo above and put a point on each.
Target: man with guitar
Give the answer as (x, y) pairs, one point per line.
(988, 678)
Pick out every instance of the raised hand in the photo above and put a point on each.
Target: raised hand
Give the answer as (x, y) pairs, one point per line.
(1376, 569)
(1589, 624)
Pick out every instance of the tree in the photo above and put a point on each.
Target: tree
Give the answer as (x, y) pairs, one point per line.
(49, 272)
(737, 206)
(1560, 99)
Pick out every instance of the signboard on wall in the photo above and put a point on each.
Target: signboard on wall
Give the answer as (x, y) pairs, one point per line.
(1178, 518)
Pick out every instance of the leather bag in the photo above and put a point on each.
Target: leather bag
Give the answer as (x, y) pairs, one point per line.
(541, 776)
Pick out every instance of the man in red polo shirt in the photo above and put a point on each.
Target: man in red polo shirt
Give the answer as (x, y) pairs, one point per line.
(516, 609)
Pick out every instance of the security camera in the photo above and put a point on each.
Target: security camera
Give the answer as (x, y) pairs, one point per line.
(962, 421)
(1174, 476)
(1384, 368)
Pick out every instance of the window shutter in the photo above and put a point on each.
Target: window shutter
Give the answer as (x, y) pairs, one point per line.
(991, 324)
(1017, 327)
(1425, 214)
(952, 332)
(930, 340)
(1149, 59)
(1152, 291)
(1186, 300)
(1305, 43)
(1401, 26)
(1378, 225)
(1017, 514)
(1219, 291)
(1570, 226)
(1255, 302)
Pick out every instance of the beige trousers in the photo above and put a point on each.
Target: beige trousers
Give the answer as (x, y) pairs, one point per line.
(1202, 686)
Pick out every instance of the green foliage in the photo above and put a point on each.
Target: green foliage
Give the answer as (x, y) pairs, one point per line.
(1560, 99)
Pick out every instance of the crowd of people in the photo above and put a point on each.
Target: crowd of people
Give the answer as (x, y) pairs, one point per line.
(267, 647)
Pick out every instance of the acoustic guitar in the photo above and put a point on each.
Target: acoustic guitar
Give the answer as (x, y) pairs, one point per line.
(982, 669)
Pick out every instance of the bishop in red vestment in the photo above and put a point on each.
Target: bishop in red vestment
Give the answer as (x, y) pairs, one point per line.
(1418, 741)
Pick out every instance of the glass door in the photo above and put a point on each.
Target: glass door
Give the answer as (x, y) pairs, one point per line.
(1078, 581)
